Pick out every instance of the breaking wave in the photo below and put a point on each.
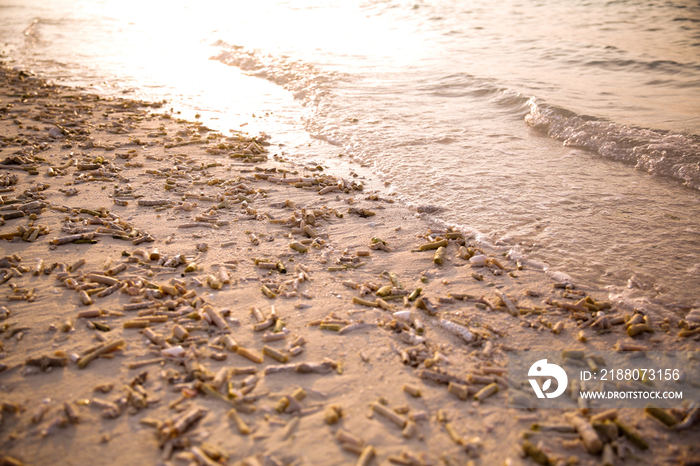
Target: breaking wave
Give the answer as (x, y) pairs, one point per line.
(657, 152)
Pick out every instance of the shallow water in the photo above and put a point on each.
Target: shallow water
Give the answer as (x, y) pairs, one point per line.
(565, 132)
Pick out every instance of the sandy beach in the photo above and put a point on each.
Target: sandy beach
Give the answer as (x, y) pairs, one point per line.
(173, 295)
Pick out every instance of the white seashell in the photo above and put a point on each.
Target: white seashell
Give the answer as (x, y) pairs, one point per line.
(458, 330)
(404, 316)
(411, 338)
(173, 352)
(478, 261)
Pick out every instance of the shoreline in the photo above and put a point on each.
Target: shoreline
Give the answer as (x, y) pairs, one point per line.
(212, 266)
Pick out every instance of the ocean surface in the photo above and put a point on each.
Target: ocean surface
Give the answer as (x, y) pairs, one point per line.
(564, 133)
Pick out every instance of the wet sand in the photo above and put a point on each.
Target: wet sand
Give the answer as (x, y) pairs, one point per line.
(173, 295)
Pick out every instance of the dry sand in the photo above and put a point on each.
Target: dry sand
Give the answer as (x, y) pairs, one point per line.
(76, 164)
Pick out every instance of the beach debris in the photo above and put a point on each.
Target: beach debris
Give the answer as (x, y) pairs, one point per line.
(7, 460)
(297, 246)
(291, 427)
(415, 294)
(345, 437)
(457, 329)
(487, 391)
(356, 326)
(588, 434)
(434, 245)
(216, 318)
(241, 425)
(631, 435)
(378, 244)
(249, 354)
(459, 390)
(478, 261)
(508, 303)
(691, 418)
(59, 359)
(426, 305)
(624, 346)
(439, 257)
(275, 354)
(332, 414)
(608, 457)
(364, 302)
(389, 414)
(411, 390)
(535, 453)
(366, 456)
(442, 377)
(179, 424)
(98, 351)
(661, 415)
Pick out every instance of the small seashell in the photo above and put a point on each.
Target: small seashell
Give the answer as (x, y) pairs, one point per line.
(478, 261)
(404, 316)
(456, 329)
(174, 352)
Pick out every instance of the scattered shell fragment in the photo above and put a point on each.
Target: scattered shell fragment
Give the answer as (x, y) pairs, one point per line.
(439, 257)
(243, 428)
(367, 455)
(457, 329)
(250, 355)
(389, 414)
(587, 432)
(460, 391)
(333, 414)
(486, 392)
(298, 247)
(660, 414)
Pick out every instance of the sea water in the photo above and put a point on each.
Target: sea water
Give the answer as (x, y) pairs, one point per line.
(563, 133)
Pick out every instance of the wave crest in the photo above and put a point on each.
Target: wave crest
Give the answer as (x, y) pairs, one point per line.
(657, 152)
